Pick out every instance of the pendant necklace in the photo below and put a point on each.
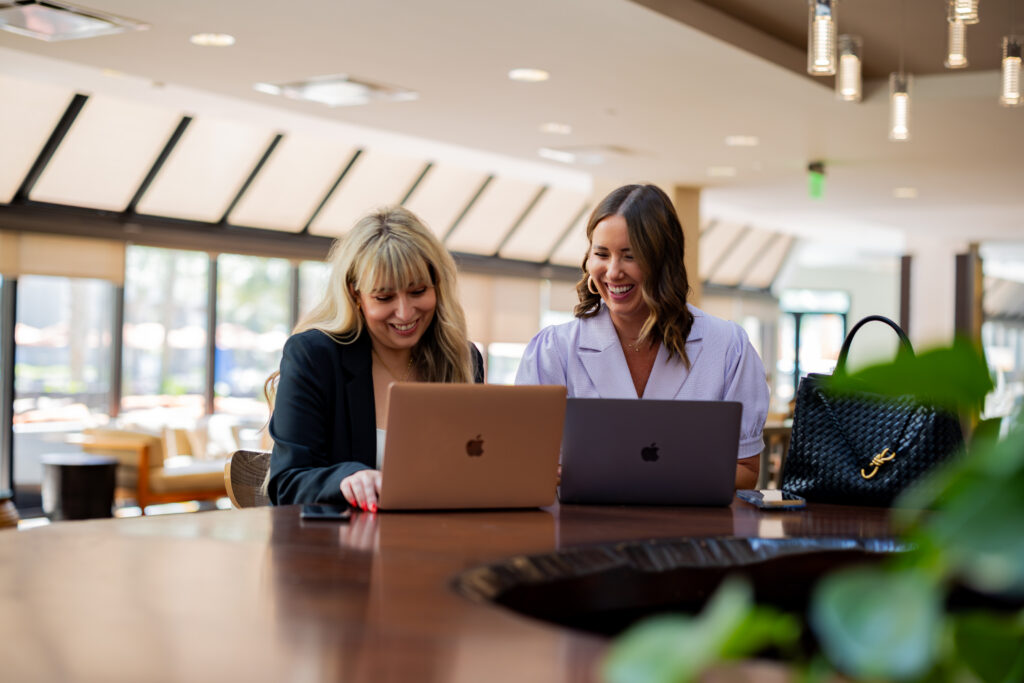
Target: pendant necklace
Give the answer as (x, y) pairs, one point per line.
(394, 375)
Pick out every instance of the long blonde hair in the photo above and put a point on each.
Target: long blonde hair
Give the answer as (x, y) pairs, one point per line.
(656, 239)
(385, 251)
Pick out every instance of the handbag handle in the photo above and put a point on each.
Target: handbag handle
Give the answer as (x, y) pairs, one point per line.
(904, 340)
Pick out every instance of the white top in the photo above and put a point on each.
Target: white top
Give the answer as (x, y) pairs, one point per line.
(585, 356)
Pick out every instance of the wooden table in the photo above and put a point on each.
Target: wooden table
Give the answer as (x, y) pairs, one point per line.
(258, 594)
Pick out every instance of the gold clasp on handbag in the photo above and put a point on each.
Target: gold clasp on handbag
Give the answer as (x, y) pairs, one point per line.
(877, 461)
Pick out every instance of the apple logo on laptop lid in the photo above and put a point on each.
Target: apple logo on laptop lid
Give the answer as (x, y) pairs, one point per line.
(649, 453)
(475, 447)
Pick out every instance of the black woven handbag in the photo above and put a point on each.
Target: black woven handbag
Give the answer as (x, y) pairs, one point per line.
(863, 449)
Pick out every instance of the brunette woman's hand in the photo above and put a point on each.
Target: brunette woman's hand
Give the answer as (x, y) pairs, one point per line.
(362, 489)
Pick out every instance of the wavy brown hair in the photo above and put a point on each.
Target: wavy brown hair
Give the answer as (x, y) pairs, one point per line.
(656, 239)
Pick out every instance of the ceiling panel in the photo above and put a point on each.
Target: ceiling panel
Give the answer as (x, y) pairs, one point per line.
(376, 179)
(715, 242)
(297, 176)
(105, 156)
(740, 259)
(492, 215)
(546, 222)
(206, 169)
(28, 114)
(763, 273)
(575, 245)
(443, 194)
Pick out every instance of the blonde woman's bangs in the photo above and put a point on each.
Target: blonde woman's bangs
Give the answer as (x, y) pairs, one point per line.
(394, 266)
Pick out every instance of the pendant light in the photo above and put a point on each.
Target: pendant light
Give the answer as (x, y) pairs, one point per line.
(956, 51)
(899, 93)
(821, 37)
(899, 106)
(965, 10)
(848, 77)
(1010, 97)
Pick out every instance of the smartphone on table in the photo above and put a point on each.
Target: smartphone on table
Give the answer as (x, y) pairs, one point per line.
(326, 513)
(771, 499)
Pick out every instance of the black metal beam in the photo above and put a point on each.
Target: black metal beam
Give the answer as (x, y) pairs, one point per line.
(520, 219)
(8, 317)
(739, 237)
(157, 231)
(330, 192)
(252, 176)
(757, 256)
(492, 265)
(161, 159)
(116, 350)
(50, 148)
(211, 334)
(565, 234)
(294, 294)
(170, 233)
(467, 207)
(416, 183)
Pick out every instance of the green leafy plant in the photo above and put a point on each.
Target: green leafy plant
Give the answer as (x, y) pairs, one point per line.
(889, 621)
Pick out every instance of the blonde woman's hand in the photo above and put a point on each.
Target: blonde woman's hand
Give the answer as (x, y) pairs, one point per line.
(362, 489)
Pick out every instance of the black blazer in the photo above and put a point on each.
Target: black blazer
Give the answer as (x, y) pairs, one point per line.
(324, 421)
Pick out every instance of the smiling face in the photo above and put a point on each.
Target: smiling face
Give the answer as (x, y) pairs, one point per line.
(397, 319)
(615, 272)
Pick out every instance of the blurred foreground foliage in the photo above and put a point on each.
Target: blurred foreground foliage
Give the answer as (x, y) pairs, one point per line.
(965, 525)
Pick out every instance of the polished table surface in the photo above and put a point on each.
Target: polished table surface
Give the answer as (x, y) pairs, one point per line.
(259, 594)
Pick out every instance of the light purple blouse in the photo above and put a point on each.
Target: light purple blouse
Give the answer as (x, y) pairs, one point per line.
(585, 356)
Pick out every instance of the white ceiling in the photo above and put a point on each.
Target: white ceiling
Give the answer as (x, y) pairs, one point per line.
(622, 75)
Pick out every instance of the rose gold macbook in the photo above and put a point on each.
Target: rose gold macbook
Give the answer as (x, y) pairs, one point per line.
(457, 446)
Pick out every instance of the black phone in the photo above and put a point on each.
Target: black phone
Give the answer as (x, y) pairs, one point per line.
(327, 513)
(769, 499)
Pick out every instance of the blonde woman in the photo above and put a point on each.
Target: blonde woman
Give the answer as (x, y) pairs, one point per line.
(390, 314)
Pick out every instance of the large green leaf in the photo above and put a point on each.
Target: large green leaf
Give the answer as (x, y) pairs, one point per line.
(874, 623)
(991, 645)
(676, 649)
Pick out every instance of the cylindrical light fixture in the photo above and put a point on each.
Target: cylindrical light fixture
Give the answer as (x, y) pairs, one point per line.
(965, 10)
(848, 76)
(899, 106)
(956, 50)
(821, 37)
(1010, 97)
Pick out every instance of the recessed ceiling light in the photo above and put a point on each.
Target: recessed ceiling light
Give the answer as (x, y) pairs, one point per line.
(212, 39)
(742, 140)
(52, 21)
(722, 171)
(556, 128)
(904, 192)
(338, 91)
(529, 75)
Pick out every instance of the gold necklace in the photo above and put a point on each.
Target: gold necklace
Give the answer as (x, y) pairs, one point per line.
(394, 375)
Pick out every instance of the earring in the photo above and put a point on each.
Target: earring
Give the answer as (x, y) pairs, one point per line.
(591, 287)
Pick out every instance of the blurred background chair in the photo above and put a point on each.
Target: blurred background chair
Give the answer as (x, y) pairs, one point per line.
(145, 476)
(243, 478)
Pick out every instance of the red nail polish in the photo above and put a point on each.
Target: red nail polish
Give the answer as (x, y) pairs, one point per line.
(373, 507)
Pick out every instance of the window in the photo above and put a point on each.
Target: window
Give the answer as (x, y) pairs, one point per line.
(811, 332)
(312, 282)
(253, 321)
(62, 367)
(165, 336)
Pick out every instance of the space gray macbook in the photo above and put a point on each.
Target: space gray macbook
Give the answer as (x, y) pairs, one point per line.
(649, 452)
(459, 446)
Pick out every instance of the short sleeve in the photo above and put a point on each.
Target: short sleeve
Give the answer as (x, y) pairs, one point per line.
(544, 360)
(746, 382)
